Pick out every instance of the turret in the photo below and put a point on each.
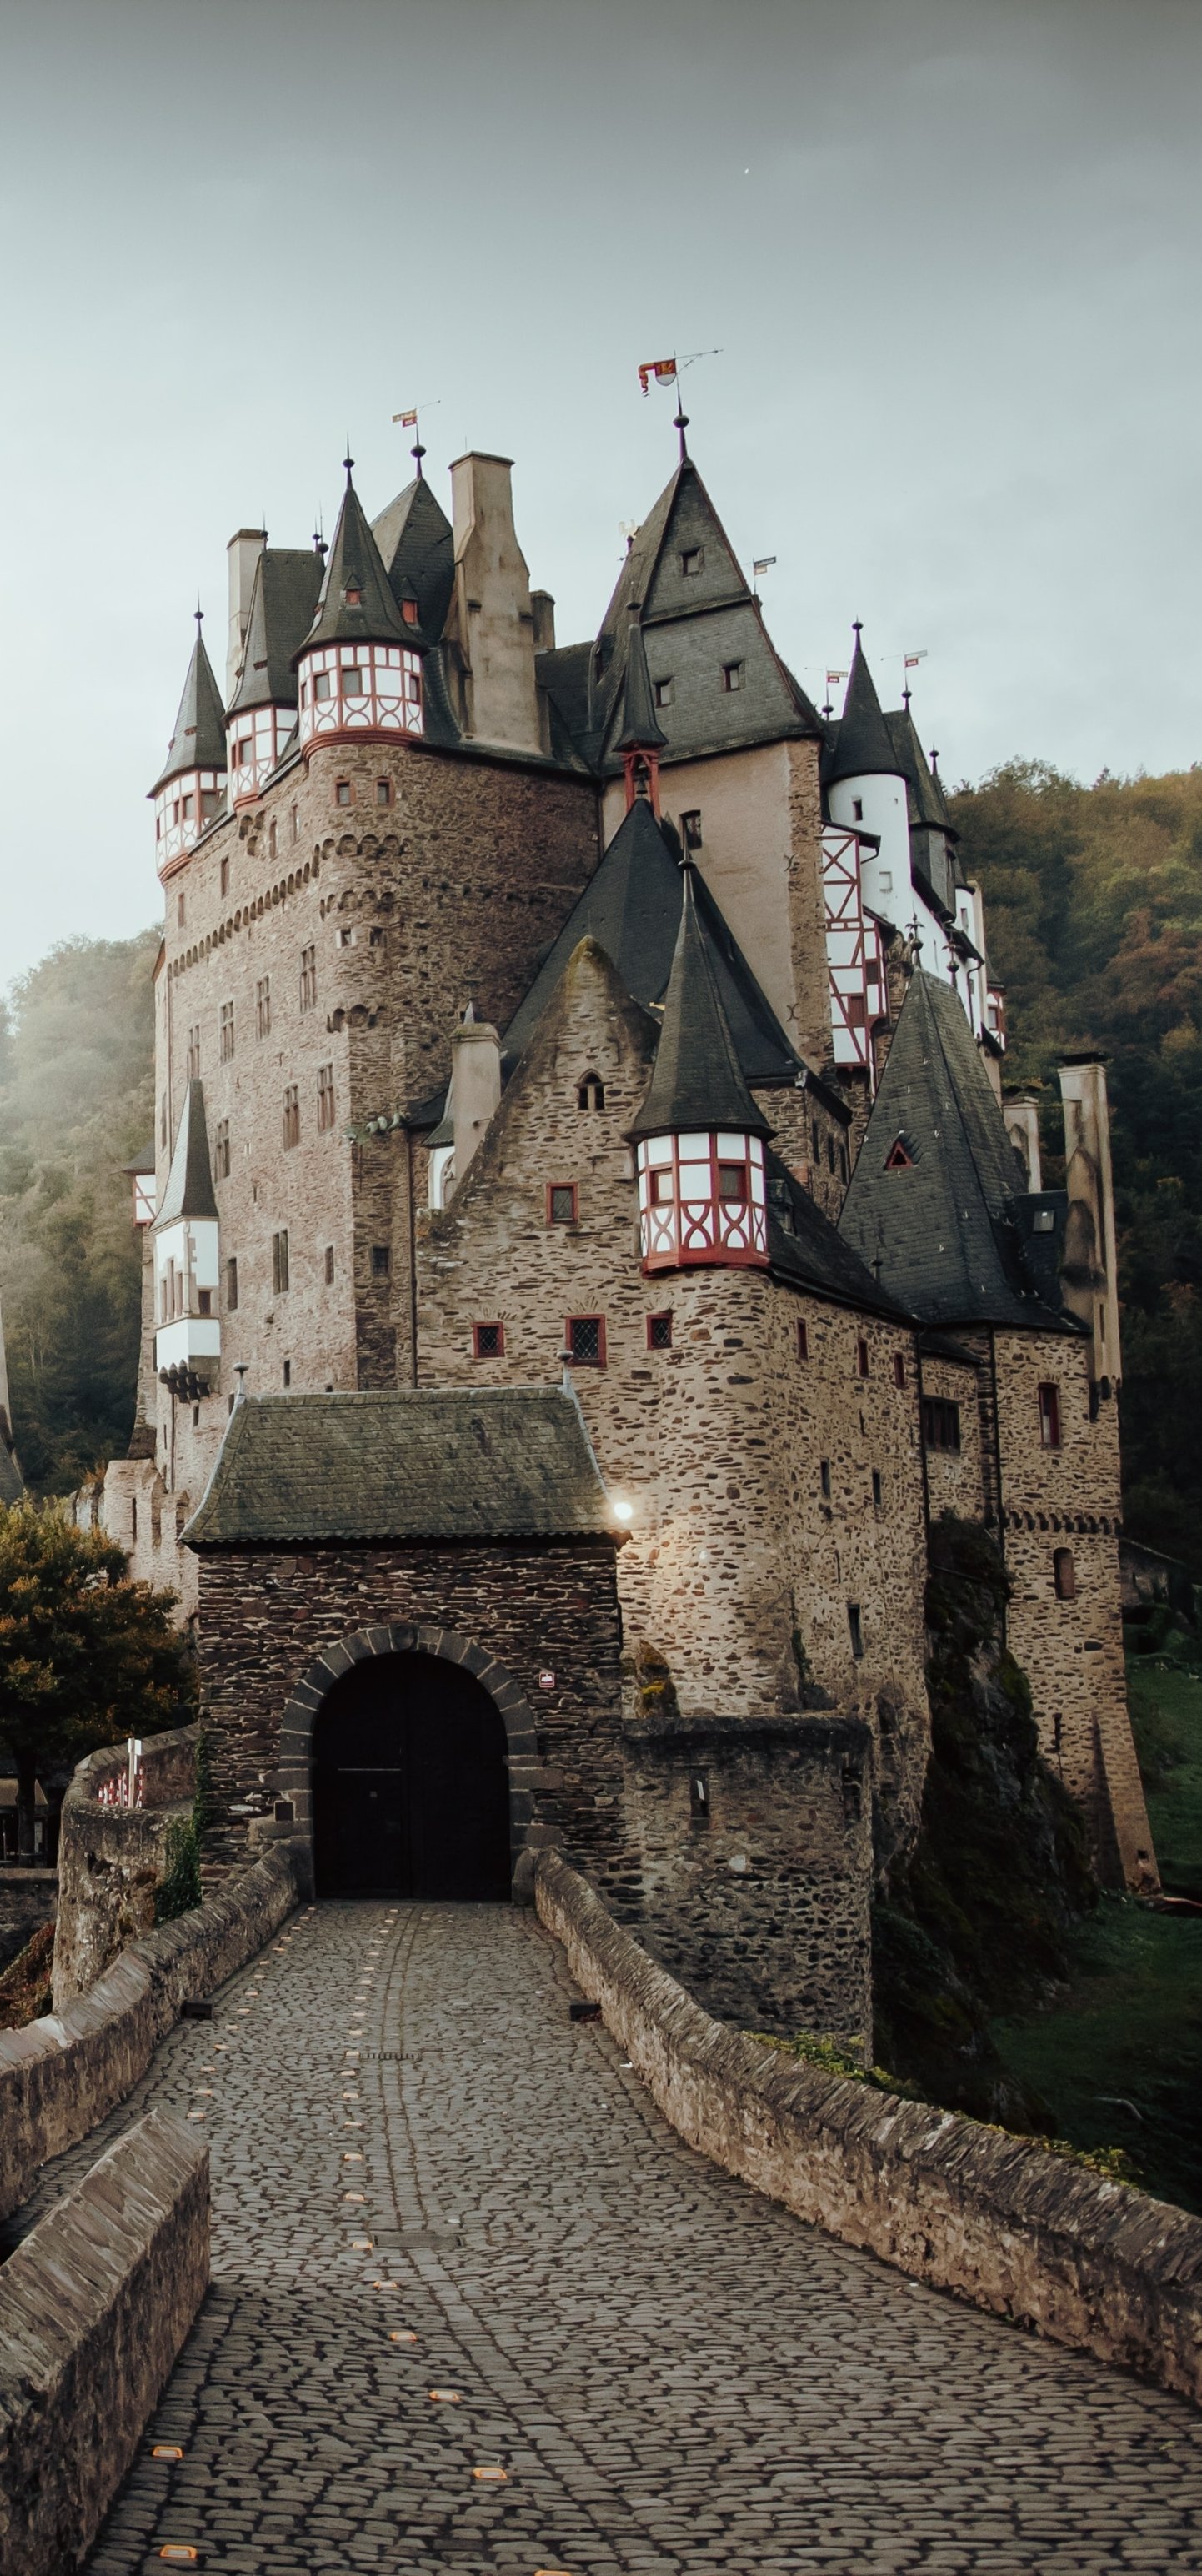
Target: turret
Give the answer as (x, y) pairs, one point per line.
(189, 789)
(699, 1133)
(642, 738)
(866, 792)
(359, 668)
(187, 1343)
(262, 715)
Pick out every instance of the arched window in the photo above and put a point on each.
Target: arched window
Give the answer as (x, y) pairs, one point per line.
(591, 1094)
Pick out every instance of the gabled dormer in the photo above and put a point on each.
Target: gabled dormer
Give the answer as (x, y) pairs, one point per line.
(359, 669)
(190, 789)
(187, 1342)
(699, 1135)
(263, 710)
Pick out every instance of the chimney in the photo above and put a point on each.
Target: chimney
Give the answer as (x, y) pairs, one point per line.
(475, 1085)
(242, 554)
(492, 618)
(1089, 1271)
(544, 621)
(1020, 1109)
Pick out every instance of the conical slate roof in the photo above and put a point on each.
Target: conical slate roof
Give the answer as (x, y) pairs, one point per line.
(926, 798)
(417, 549)
(863, 746)
(198, 736)
(944, 1230)
(189, 1191)
(697, 1080)
(282, 603)
(631, 907)
(355, 565)
(640, 728)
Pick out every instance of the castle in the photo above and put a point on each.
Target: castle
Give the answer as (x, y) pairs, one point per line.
(588, 1245)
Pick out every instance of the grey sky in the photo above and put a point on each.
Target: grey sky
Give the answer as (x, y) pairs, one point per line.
(949, 253)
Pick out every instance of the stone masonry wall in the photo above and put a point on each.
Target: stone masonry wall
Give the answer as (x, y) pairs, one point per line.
(1068, 1499)
(112, 1859)
(266, 1615)
(755, 1876)
(954, 1477)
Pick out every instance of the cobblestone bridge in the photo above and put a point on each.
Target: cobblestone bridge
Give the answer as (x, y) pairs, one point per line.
(673, 2374)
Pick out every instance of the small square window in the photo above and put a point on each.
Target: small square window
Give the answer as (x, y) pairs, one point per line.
(353, 685)
(562, 1203)
(342, 791)
(732, 1183)
(824, 1478)
(899, 1368)
(732, 675)
(659, 1332)
(346, 938)
(861, 1357)
(375, 936)
(585, 1340)
(803, 1341)
(329, 1265)
(381, 1261)
(383, 791)
(488, 1341)
(692, 561)
(690, 830)
(662, 690)
(323, 686)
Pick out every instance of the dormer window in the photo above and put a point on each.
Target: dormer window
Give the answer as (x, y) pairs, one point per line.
(692, 562)
(732, 675)
(897, 1159)
(353, 595)
(409, 611)
(663, 692)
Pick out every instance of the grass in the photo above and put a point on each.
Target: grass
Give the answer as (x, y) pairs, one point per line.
(1118, 2057)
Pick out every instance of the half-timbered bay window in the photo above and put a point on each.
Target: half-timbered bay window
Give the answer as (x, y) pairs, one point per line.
(360, 688)
(701, 1199)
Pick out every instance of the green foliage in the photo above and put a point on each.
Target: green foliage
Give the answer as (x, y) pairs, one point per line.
(86, 1655)
(179, 1888)
(76, 1100)
(1094, 911)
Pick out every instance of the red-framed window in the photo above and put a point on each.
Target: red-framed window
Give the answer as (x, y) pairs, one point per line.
(488, 1341)
(1049, 1417)
(899, 1368)
(803, 1341)
(861, 1357)
(584, 1340)
(659, 1332)
(563, 1203)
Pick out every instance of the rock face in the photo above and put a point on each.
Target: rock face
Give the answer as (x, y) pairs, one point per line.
(973, 1922)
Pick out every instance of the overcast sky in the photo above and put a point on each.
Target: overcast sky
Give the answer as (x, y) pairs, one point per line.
(948, 251)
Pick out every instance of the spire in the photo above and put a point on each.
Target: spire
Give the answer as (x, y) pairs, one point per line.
(189, 1191)
(283, 600)
(641, 730)
(356, 603)
(862, 745)
(696, 1081)
(198, 735)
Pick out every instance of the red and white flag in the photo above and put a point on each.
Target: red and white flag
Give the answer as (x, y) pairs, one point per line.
(663, 370)
(406, 419)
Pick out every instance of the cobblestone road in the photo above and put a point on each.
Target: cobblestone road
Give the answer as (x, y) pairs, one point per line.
(673, 2374)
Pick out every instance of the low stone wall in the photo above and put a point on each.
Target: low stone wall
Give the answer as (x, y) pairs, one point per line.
(28, 1898)
(1028, 2235)
(111, 1859)
(59, 2076)
(94, 2307)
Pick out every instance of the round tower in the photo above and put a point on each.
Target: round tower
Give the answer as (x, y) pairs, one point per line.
(699, 1135)
(190, 788)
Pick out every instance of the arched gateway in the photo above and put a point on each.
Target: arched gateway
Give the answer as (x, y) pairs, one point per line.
(410, 1782)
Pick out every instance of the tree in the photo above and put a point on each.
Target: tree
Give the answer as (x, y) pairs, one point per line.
(86, 1654)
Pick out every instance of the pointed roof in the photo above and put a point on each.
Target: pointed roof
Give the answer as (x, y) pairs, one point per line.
(282, 603)
(945, 1231)
(198, 735)
(355, 565)
(640, 730)
(189, 1191)
(863, 746)
(417, 549)
(925, 794)
(631, 907)
(696, 1080)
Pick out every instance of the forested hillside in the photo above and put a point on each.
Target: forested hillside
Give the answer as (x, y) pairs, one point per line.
(1094, 912)
(76, 1094)
(1094, 903)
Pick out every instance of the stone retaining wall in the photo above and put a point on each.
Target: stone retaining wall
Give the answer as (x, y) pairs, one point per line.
(1025, 2234)
(28, 1898)
(59, 2076)
(94, 2307)
(111, 1859)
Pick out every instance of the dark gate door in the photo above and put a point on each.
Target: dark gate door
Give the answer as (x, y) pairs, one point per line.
(410, 1784)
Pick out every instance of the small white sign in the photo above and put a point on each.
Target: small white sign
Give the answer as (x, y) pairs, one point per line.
(546, 1681)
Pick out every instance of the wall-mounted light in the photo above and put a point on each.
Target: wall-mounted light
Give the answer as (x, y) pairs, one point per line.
(621, 1509)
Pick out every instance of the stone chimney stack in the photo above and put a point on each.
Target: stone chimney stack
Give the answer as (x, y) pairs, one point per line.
(475, 1085)
(242, 554)
(1089, 1271)
(544, 621)
(1020, 1109)
(492, 619)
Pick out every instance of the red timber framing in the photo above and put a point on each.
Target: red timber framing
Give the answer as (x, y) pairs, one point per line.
(855, 963)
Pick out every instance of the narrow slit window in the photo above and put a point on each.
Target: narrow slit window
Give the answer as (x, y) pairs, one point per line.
(899, 1368)
(803, 1341)
(1065, 1573)
(1049, 1417)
